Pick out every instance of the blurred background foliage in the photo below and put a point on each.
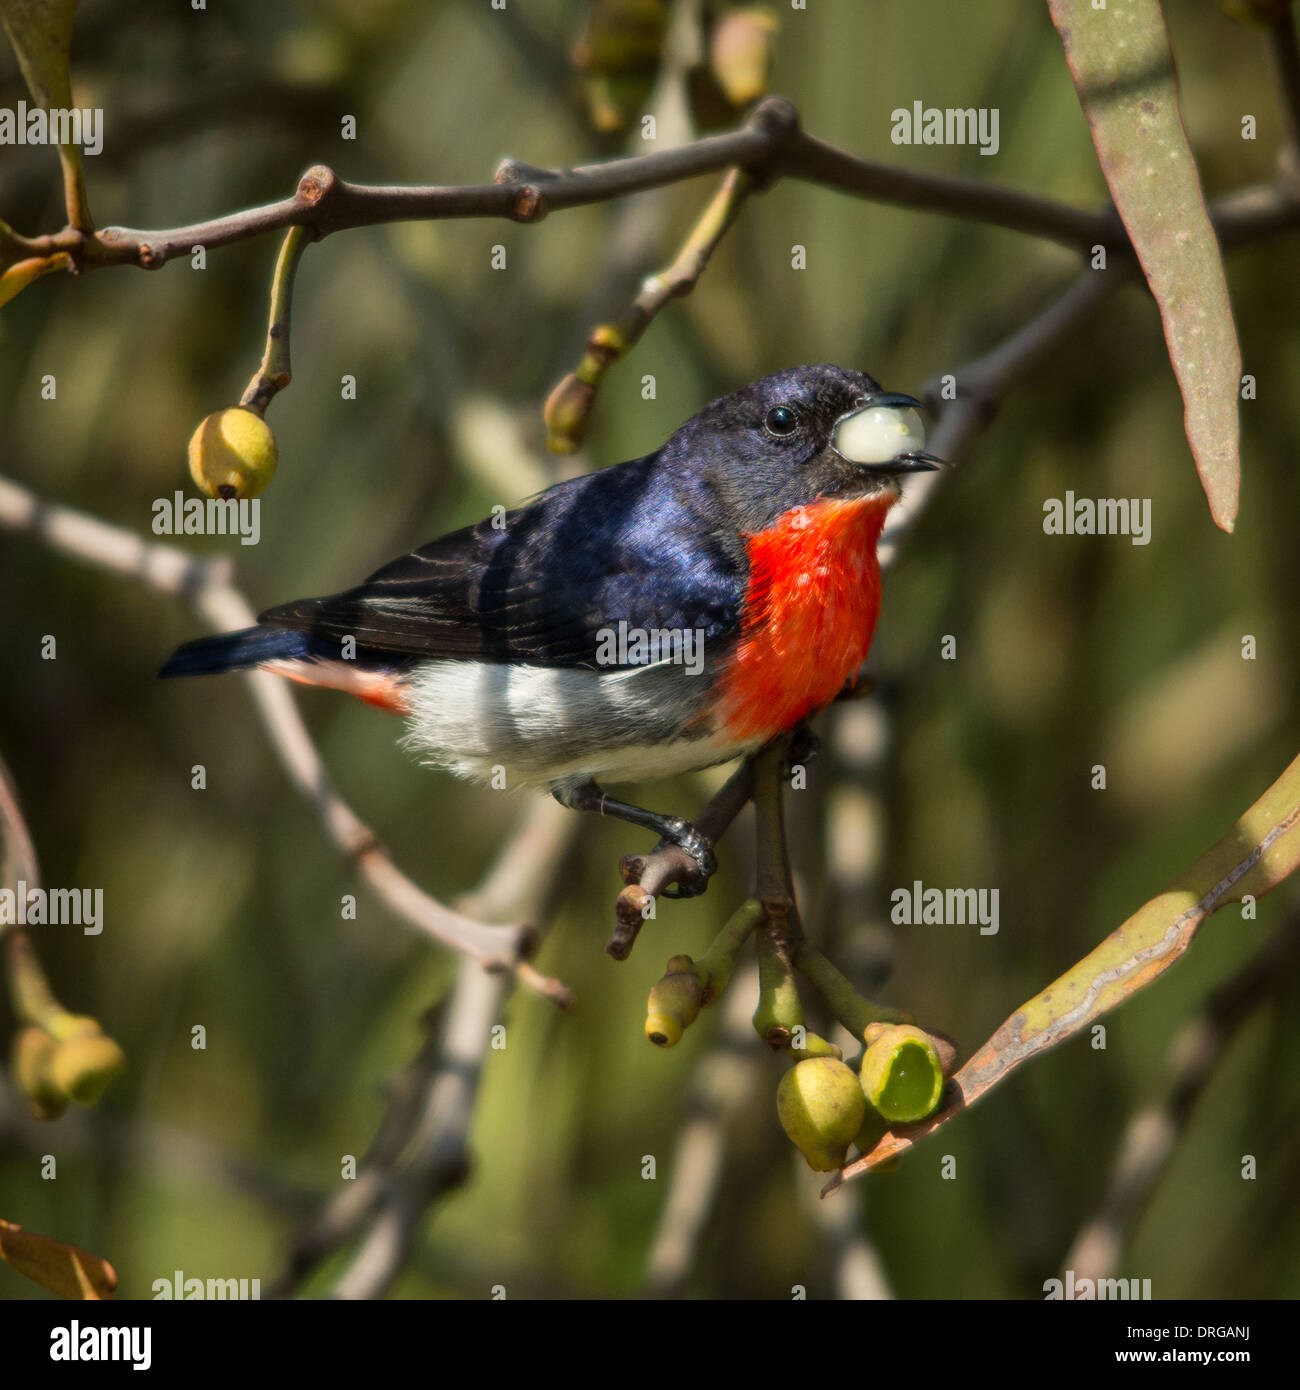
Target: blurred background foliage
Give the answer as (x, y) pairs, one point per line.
(223, 906)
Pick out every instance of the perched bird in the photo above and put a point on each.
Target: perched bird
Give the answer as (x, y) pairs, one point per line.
(664, 614)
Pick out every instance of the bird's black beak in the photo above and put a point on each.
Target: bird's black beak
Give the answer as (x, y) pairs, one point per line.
(884, 434)
(915, 462)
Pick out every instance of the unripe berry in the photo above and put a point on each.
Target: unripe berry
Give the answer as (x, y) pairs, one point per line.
(233, 454)
(820, 1105)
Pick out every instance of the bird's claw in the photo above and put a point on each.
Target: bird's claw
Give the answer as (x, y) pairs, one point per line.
(683, 835)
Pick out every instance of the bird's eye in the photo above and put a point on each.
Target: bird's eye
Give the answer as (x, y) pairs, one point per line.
(781, 420)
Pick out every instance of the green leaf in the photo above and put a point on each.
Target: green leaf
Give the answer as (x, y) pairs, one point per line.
(1255, 856)
(1123, 72)
(41, 34)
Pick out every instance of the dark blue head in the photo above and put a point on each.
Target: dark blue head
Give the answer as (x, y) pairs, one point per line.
(788, 439)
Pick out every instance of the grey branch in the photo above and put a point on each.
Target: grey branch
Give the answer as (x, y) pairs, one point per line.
(1152, 1134)
(207, 585)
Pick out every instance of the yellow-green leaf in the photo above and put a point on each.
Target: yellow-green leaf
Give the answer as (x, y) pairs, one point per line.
(1123, 72)
(21, 274)
(1255, 856)
(40, 32)
(66, 1270)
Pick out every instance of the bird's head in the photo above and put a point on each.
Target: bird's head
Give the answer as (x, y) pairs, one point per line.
(791, 439)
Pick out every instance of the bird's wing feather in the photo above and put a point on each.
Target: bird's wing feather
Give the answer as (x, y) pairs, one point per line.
(540, 584)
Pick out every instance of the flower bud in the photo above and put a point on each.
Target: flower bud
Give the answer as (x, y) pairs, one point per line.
(805, 1043)
(619, 55)
(63, 1026)
(83, 1066)
(566, 412)
(740, 52)
(674, 1003)
(820, 1105)
(34, 1049)
(232, 454)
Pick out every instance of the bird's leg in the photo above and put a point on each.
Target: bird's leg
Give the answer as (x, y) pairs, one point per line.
(673, 830)
(804, 746)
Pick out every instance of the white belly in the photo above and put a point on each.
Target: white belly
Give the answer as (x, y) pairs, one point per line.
(539, 724)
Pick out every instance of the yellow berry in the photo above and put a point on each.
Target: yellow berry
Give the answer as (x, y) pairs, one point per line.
(232, 454)
(820, 1105)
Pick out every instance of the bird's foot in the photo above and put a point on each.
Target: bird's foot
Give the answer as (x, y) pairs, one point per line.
(683, 835)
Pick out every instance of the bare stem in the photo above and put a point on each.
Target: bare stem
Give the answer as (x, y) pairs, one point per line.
(646, 875)
(29, 988)
(275, 371)
(208, 586)
(781, 934)
(568, 408)
(1151, 1136)
(768, 147)
(853, 1010)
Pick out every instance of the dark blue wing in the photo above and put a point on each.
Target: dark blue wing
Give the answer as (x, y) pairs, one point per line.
(538, 584)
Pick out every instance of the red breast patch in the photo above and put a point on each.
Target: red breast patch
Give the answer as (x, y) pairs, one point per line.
(810, 611)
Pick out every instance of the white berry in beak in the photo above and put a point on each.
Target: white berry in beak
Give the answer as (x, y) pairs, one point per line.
(878, 434)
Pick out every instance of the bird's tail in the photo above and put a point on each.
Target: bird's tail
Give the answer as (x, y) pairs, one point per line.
(300, 656)
(240, 651)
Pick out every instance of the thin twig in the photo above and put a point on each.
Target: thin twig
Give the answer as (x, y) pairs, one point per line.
(435, 1158)
(980, 386)
(421, 1149)
(647, 875)
(275, 371)
(569, 405)
(207, 585)
(726, 1087)
(770, 145)
(30, 991)
(148, 1150)
(1152, 1135)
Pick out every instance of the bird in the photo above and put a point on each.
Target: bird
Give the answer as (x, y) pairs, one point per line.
(660, 615)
